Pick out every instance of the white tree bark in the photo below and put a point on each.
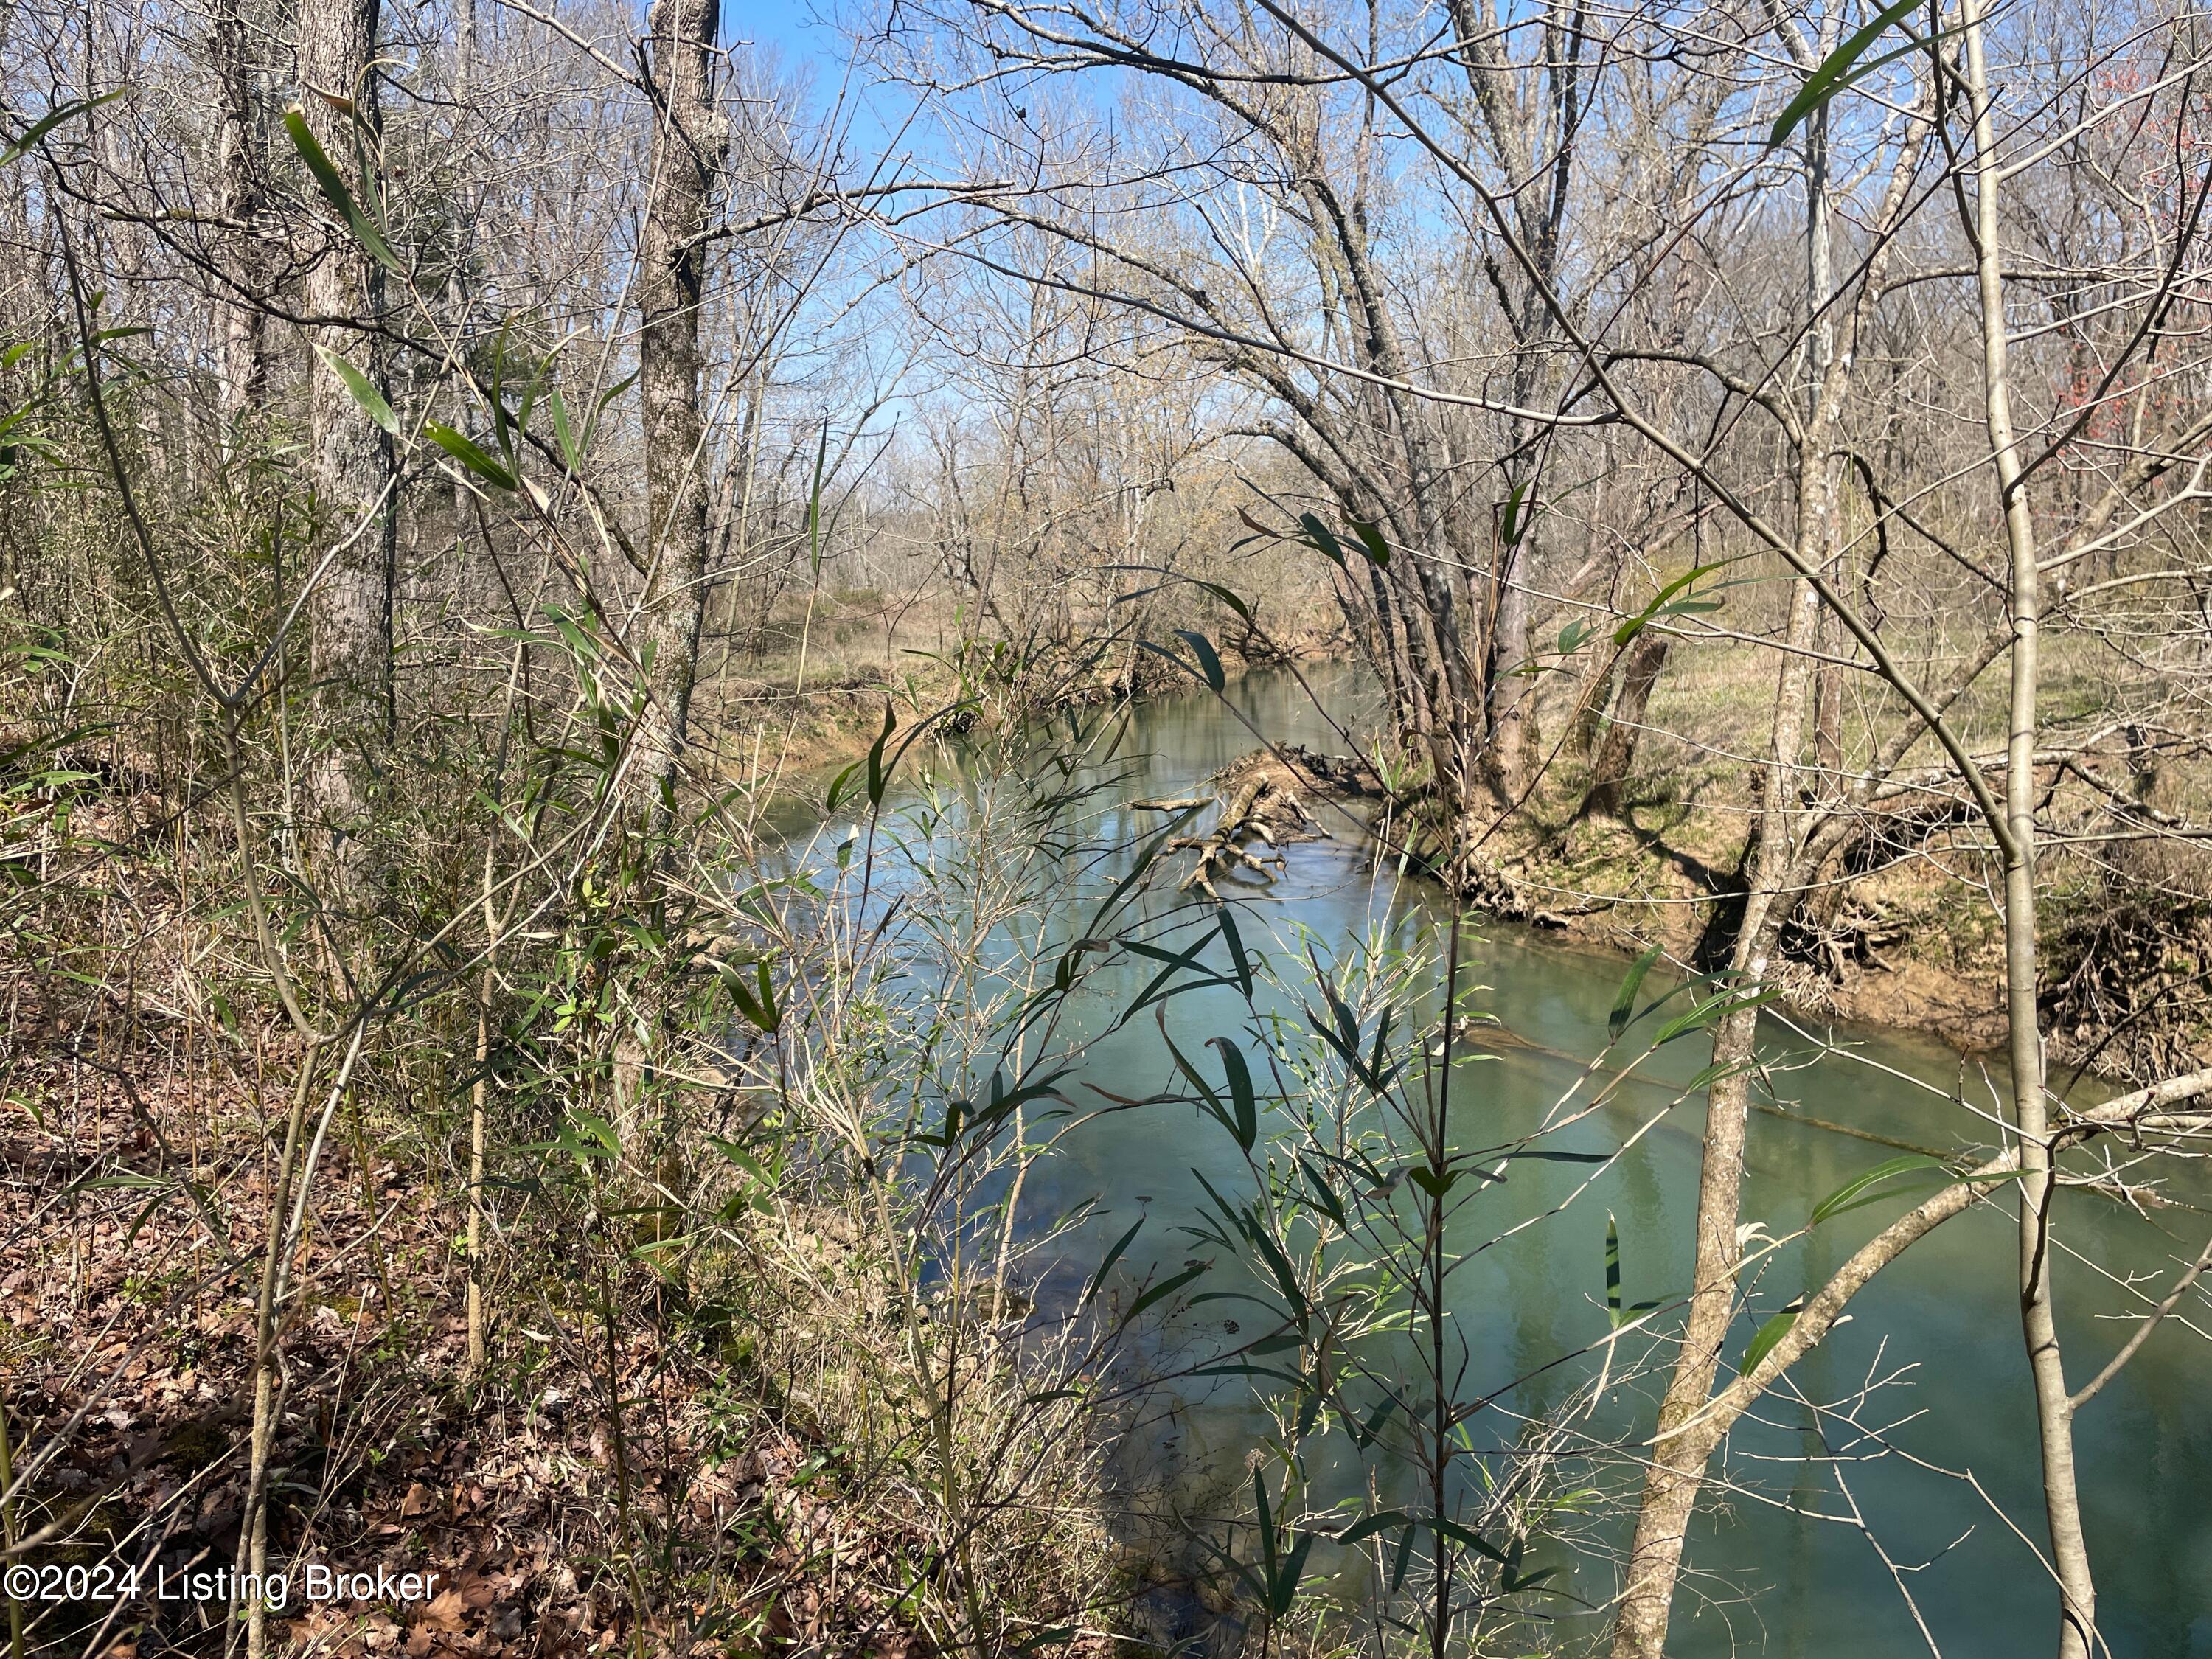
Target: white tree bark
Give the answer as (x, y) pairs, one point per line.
(2054, 1408)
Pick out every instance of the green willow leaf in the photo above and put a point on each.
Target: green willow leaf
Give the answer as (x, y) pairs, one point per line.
(1863, 1188)
(1322, 539)
(836, 792)
(1365, 1434)
(334, 192)
(1515, 527)
(814, 502)
(1643, 619)
(363, 389)
(1226, 597)
(1166, 1287)
(1769, 1334)
(1247, 1126)
(756, 1002)
(1239, 960)
(1106, 1264)
(1829, 79)
(1625, 1003)
(1209, 661)
(1325, 1195)
(469, 454)
(1612, 1271)
(879, 773)
(563, 431)
(46, 124)
(1474, 1540)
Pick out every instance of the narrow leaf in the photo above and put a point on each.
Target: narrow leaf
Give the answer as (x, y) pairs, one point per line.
(1769, 1334)
(1514, 527)
(1322, 537)
(334, 189)
(1106, 1264)
(1861, 1188)
(563, 431)
(756, 1002)
(1402, 1560)
(836, 792)
(1612, 1271)
(814, 500)
(879, 773)
(45, 124)
(469, 454)
(1226, 597)
(1474, 1540)
(1636, 624)
(1826, 81)
(1247, 1126)
(1209, 663)
(1366, 1433)
(1166, 1287)
(363, 389)
(1325, 1195)
(1286, 1582)
(1619, 1019)
(1240, 962)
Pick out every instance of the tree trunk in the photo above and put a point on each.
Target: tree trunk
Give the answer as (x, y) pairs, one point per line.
(1512, 712)
(2054, 1405)
(688, 138)
(1775, 866)
(1616, 752)
(1678, 1465)
(1820, 351)
(1828, 719)
(351, 462)
(242, 168)
(1786, 851)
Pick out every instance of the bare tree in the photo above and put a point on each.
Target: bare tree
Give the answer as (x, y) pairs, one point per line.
(350, 609)
(242, 145)
(690, 135)
(1266, 75)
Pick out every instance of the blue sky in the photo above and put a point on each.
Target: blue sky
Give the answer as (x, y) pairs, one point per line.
(810, 50)
(787, 23)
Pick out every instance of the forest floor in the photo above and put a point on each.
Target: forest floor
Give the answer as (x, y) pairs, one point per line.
(713, 1509)
(139, 1182)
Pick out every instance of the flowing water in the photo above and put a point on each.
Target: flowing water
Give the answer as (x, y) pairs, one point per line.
(1940, 1464)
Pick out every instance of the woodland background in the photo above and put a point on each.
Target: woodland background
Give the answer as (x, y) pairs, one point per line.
(469, 468)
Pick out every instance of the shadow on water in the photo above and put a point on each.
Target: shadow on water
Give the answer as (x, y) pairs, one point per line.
(1779, 1564)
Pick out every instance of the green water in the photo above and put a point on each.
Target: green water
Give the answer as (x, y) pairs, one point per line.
(1778, 1567)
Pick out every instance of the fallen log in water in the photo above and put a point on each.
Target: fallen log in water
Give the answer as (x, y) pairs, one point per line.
(1262, 806)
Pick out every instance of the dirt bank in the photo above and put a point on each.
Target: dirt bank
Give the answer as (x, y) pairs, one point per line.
(1910, 943)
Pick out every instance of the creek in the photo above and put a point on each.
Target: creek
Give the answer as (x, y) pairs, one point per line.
(1939, 1460)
